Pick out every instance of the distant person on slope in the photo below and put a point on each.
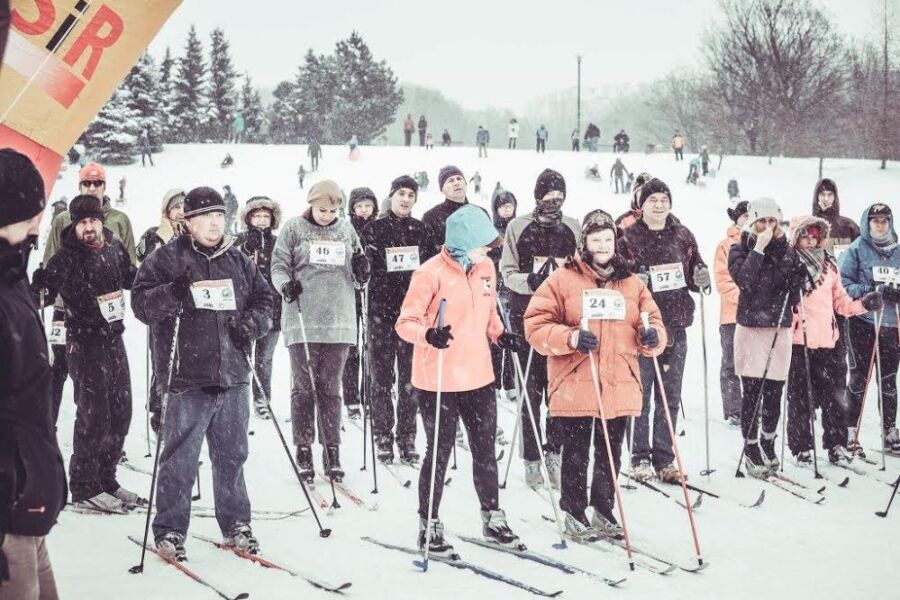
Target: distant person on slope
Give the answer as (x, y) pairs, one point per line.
(423, 127)
(408, 127)
(513, 131)
(482, 139)
(314, 150)
(618, 172)
(541, 136)
(678, 146)
(231, 210)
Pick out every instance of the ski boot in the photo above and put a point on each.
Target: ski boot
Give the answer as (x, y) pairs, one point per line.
(497, 531)
(102, 503)
(437, 543)
(305, 464)
(767, 448)
(734, 421)
(643, 471)
(331, 462)
(533, 476)
(892, 439)
(753, 461)
(607, 526)
(554, 468)
(408, 454)
(129, 498)
(384, 449)
(171, 546)
(241, 537)
(838, 455)
(579, 528)
(804, 458)
(853, 445)
(670, 474)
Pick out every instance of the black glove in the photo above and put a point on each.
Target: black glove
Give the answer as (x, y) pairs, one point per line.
(241, 334)
(291, 290)
(39, 279)
(359, 264)
(888, 292)
(587, 342)
(439, 337)
(649, 337)
(873, 300)
(181, 287)
(512, 341)
(254, 240)
(536, 279)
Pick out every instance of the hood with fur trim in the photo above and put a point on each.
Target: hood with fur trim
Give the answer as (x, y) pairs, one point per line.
(800, 223)
(257, 203)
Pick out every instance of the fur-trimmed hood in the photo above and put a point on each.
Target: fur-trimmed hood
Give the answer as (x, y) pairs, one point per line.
(261, 202)
(800, 223)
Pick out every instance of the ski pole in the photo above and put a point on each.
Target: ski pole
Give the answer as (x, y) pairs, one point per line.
(364, 387)
(609, 454)
(708, 471)
(884, 513)
(518, 425)
(862, 403)
(322, 531)
(534, 430)
(437, 430)
(149, 394)
(809, 398)
(784, 425)
(645, 320)
(316, 406)
(139, 568)
(879, 317)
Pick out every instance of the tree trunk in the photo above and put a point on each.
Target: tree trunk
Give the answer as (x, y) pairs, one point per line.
(821, 160)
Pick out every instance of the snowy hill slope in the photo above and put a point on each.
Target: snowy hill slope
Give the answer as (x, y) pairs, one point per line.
(785, 548)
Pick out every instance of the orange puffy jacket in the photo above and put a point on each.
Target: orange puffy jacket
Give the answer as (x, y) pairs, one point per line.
(725, 285)
(471, 313)
(555, 312)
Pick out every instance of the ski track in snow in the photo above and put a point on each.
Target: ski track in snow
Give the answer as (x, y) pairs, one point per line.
(785, 548)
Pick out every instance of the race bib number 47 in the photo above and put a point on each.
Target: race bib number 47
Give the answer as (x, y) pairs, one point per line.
(606, 305)
(112, 306)
(327, 253)
(214, 294)
(667, 277)
(402, 258)
(885, 274)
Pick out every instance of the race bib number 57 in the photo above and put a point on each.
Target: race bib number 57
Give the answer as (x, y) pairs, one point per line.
(667, 277)
(214, 294)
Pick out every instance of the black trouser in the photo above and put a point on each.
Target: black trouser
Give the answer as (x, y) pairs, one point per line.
(620, 181)
(407, 138)
(327, 361)
(705, 168)
(862, 341)
(103, 414)
(729, 382)
(59, 373)
(770, 409)
(679, 153)
(421, 137)
(149, 156)
(385, 346)
(504, 370)
(314, 163)
(350, 378)
(157, 388)
(576, 435)
(541, 145)
(827, 375)
(512, 143)
(536, 387)
(576, 146)
(478, 413)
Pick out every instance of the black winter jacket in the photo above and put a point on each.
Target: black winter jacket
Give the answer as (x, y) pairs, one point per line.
(435, 220)
(206, 354)
(262, 257)
(765, 280)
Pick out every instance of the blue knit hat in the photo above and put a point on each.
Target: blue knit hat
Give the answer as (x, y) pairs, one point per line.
(469, 228)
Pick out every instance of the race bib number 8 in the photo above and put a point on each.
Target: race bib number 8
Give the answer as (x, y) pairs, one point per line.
(57, 335)
(606, 305)
(667, 277)
(402, 258)
(214, 294)
(885, 274)
(328, 253)
(112, 306)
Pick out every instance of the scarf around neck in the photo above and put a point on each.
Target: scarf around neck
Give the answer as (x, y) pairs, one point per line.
(815, 261)
(548, 213)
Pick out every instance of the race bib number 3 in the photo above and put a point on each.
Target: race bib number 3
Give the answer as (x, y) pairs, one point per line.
(402, 258)
(667, 277)
(327, 253)
(57, 335)
(885, 274)
(606, 305)
(214, 294)
(112, 306)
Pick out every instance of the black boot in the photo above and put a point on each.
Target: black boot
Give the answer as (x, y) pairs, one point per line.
(331, 461)
(305, 464)
(408, 454)
(384, 449)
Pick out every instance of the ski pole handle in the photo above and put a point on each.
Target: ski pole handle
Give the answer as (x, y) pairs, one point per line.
(441, 308)
(645, 320)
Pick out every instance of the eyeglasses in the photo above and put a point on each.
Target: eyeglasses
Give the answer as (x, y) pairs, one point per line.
(93, 183)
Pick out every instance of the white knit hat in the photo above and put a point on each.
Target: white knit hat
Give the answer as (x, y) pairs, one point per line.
(762, 208)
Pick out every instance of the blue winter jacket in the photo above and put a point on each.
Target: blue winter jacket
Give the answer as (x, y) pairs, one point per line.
(856, 268)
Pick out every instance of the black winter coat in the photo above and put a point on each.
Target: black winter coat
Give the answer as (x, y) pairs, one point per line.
(262, 257)
(206, 354)
(765, 280)
(80, 275)
(435, 220)
(32, 475)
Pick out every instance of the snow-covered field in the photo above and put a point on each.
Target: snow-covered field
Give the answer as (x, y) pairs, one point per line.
(785, 548)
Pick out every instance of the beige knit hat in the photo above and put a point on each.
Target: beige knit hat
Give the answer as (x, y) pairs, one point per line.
(326, 192)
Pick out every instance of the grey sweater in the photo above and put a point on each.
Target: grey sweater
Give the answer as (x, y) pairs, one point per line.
(328, 301)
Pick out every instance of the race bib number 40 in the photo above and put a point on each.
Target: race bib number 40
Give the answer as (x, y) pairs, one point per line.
(885, 274)
(606, 305)
(327, 253)
(214, 294)
(667, 277)
(402, 258)
(112, 306)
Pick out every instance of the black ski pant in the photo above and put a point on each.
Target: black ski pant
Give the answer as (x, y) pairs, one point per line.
(769, 411)
(103, 414)
(828, 372)
(384, 347)
(422, 137)
(327, 362)
(541, 145)
(263, 352)
(407, 138)
(536, 385)
(576, 434)
(478, 413)
(314, 163)
(862, 343)
(729, 382)
(350, 378)
(149, 156)
(620, 182)
(512, 143)
(679, 153)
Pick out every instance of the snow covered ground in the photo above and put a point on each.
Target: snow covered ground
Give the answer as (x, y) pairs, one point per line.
(785, 548)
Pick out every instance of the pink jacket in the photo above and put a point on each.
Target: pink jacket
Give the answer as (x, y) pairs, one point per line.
(471, 313)
(820, 305)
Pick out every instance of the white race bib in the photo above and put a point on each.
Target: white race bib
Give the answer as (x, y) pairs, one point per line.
(540, 261)
(603, 304)
(328, 253)
(667, 277)
(57, 335)
(402, 258)
(214, 294)
(839, 249)
(886, 274)
(112, 306)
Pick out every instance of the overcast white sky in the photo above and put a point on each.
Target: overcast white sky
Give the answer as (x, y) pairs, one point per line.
(478, 52)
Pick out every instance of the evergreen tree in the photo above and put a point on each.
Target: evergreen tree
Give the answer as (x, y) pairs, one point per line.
(222, 94)
(313, 98)
(283, 117)
(252, 109)
(165, 92)
(112, 137)
(189, 95)
(144, 98)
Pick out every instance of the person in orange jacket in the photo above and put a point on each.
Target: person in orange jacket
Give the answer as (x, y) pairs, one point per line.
(729, 382)
(553, 327)
(464, 276)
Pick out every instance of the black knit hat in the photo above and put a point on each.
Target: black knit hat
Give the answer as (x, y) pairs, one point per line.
(359, 194)
(879, 210)
(740, 209)
(21, 188)
(202, 200)
(86, 207)
(654, 186)
(404, 181)
(549, 181)
(446, 173)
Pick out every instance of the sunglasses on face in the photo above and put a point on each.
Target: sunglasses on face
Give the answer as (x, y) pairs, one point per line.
(92, 183)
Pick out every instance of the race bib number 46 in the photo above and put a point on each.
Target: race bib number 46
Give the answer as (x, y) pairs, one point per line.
(606, 305)
(885, 274)
(214, 294)
(667, 277)
(402, 258)
(327, 253)
(112, 306)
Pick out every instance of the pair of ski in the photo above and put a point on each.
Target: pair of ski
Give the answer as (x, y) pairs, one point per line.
(696, 504)
(856, 469)
(255, 558)
(343, 490)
